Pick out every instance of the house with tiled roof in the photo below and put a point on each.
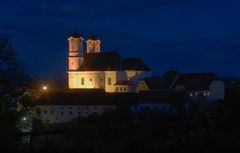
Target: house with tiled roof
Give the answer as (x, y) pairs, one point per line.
(94, 69)
(206, 85)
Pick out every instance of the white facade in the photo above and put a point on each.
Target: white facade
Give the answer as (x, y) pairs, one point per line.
(66, 113)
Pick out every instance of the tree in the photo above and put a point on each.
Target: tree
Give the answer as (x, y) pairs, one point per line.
(12, 72)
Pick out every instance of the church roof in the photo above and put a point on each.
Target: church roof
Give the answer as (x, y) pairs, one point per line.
(111, 61)
(134, 64)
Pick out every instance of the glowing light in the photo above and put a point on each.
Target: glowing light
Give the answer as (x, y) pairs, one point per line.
(24, 118)
(44, 88)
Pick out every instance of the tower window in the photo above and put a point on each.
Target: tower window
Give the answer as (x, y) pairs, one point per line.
(109, 81)
(82, 81)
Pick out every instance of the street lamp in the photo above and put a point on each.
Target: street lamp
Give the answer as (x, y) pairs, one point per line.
(44, 88)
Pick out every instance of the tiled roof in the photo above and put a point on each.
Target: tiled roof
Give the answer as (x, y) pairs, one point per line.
(85, 97)
(111, 61)
(195, 81)
(172, 79)
(107, 61)
(134, 64)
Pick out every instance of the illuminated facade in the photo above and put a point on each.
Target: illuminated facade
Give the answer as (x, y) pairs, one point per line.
(94, 69)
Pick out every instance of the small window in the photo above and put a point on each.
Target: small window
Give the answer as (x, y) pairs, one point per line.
(70, 113)
(109, 81)
(125, 89)
(61, 113)
(116, 88)
(79, 113)
(52, 112)
(90, 79)
(120, 88)
(82, 81)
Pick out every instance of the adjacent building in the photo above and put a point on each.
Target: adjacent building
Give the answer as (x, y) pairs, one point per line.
(206, 85)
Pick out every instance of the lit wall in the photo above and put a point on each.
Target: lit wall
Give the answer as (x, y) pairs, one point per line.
(86, 80)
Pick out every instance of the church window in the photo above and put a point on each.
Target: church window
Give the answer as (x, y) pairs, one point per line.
(109, 81)
(82, 81)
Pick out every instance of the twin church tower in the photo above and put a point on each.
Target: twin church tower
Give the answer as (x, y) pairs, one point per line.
(94, 69)
(76, 49)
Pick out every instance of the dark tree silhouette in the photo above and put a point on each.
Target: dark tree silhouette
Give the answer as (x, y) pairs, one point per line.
(12, 72)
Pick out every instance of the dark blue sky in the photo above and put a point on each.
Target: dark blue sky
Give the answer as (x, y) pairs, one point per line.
(188, 35)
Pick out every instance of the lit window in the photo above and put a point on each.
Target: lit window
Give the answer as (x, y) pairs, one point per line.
(82, 81)
(191, 94)
(109, 81)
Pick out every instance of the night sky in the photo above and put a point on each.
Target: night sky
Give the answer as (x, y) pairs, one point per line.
(188, 35)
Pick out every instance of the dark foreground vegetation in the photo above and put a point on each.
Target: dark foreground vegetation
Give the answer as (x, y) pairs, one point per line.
(216, 130)
(162, 138)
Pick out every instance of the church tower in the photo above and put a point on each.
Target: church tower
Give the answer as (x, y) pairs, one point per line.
(93, 45)
(75, 58)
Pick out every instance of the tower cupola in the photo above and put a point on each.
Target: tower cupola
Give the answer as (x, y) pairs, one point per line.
(93, 45)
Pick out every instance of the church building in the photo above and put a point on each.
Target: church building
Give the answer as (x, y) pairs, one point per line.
(94, 69)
